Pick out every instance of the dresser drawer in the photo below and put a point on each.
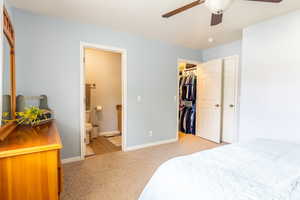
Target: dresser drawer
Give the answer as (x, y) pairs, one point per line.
(30, 166)
(29, 176)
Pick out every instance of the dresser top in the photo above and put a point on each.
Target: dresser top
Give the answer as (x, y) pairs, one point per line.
(25, 140)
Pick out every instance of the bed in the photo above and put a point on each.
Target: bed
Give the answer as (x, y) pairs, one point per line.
(258, 170)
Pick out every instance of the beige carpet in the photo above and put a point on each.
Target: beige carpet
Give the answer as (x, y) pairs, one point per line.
(122, 175)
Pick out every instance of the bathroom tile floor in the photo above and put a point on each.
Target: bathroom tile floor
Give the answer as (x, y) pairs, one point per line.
(101, 145)
(89, 151)
(123, 175)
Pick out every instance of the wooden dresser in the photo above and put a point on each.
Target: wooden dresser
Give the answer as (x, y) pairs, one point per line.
(30, 167)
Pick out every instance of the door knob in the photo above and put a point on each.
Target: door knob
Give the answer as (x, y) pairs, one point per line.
(231, 105)
(217, 105)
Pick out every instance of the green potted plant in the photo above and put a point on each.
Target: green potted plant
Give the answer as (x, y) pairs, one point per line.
(32, 116)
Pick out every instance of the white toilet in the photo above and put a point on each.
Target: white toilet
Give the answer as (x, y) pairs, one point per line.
(88, 126)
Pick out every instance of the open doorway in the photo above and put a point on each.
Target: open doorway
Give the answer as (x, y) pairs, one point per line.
(103, 127)
(187, 86)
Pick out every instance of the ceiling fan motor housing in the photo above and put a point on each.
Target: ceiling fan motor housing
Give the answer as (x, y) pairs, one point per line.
(218, 6)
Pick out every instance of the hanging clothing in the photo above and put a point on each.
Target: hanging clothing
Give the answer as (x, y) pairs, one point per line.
(182, 88)
(187, 120)
(189, 88)
(182, 120)
(187, 103)
(191, 121)
(194, 90)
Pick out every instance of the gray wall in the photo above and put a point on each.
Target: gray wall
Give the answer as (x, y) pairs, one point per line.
(229, 49)
(270, 80)
(103, 68)
(48, 62)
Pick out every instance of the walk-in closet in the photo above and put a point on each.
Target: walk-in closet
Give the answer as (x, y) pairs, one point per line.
(208, 99)
(187, 98)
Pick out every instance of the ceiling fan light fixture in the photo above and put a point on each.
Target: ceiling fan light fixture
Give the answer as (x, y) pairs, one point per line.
(218, 6)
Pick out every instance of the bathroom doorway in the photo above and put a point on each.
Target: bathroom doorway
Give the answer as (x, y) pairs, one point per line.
(102, 100)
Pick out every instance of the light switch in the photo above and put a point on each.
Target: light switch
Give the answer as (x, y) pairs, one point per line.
(150, 133)
(139, 98)
(175, 98)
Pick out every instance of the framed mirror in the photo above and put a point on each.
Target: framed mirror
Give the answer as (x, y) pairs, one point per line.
(8, 106)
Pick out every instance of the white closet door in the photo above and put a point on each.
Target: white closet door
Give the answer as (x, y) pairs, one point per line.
(229, 132)
(209, 98)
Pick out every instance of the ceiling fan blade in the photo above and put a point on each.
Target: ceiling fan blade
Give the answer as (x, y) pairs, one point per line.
(216, 19)
(181, 9)
(268, 1)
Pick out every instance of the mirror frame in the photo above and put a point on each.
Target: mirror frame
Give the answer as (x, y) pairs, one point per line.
(9, 33)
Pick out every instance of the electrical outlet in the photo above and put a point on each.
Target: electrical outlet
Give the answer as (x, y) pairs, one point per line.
(150, 133)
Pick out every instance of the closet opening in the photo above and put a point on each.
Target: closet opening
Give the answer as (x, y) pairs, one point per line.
(208, 99)
(102, 100)
(187, 93)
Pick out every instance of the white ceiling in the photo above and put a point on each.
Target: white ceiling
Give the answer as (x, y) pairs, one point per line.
(143, 17)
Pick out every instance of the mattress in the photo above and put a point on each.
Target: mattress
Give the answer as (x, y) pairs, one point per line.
(258, 170)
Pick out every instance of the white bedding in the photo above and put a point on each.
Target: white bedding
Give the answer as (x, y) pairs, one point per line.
(260, 170)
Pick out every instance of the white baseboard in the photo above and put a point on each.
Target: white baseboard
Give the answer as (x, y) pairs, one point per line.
(72, 159)
(132, 148)
(109, 133)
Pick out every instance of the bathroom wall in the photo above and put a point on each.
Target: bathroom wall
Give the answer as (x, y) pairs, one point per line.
(104, 69)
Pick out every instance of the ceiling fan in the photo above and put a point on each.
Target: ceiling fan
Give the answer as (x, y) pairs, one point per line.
(217, 7)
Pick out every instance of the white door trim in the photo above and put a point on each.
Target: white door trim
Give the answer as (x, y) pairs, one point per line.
(123, 53)
(179, 60)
